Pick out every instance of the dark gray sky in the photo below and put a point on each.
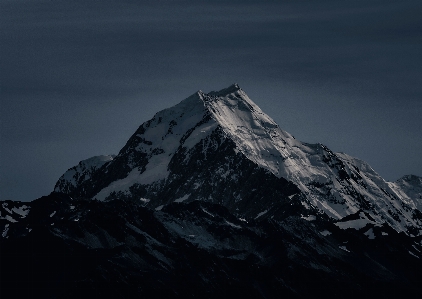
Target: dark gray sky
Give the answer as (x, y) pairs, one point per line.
(78, 77)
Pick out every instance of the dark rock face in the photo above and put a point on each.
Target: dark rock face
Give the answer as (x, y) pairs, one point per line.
(119, 249)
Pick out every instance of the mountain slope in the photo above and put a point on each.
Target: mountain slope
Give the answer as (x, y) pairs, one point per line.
(80, 173)
(409, 188)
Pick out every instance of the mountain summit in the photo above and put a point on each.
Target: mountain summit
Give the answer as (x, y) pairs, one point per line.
(222, 148)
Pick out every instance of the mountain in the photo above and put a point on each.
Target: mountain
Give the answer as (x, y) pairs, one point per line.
(210, 198)
(220, 147)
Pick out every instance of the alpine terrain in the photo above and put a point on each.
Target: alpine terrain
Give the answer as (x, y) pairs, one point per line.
(210, 198)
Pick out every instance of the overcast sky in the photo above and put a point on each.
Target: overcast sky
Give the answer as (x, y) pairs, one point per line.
(79, 77)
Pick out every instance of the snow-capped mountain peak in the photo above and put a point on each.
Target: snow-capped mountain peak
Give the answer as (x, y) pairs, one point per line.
(198, 148)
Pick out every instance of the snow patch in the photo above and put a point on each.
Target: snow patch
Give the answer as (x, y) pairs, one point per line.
(155, 170)
(305, 205)
(370, 234)
(344, 248)
(6, 229)
(233, 225)
(181, 199)
(22, 211)
(145, 200)
(208, 212)
(260, 214)
(119, 185)
(357, 223)
(52, 214)
(309, 218)
(325, 233)
(10, 219)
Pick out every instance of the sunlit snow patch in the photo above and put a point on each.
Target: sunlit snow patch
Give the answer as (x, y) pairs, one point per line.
(159, 208)
(309, 218)
(413, 254)
(52, 214)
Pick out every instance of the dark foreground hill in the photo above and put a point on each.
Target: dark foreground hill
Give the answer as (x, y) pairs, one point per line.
(70, 248)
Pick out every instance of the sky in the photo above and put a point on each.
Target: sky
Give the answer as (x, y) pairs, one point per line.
(78, 77)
